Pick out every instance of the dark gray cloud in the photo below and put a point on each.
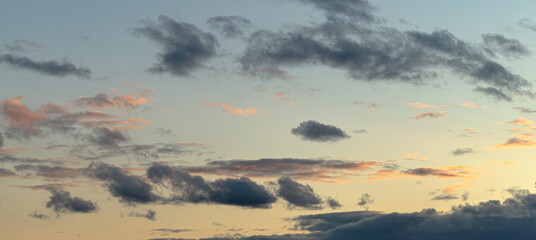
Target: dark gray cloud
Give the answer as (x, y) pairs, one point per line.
(494, 92)
(445, 196)
(298, 195)
(1, 141)
(150, 214)
(319, 132)
(107, 138)
(230, 26)
(333, 203)
(51, 68)
(311, 169)
(461, 151)
(184, 47)
(194, 189)
(128, 188)
(514, 218)
(506, 46)
(170, 230)
(62, 202)
(370, 51)
(365, 200)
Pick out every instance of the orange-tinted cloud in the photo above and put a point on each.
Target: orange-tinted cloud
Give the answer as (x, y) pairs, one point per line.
(20, 119)
(430, 115)
(411, 156)
(307, 169)
(227, 108)
(455, 172)
(125, 124)
(430, 106)
(284, 97)
(126, 101)
(516, 142)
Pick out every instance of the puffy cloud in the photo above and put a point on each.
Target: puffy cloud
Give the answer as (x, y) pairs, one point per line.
(129, 188)
(51, 67)
(62, 202)
(513, 218)
(297, 194)
(194, 189)
(319, 132)
(184, 47)
(333, 203)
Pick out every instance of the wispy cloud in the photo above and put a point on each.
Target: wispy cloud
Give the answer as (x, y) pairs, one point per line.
(227, 108)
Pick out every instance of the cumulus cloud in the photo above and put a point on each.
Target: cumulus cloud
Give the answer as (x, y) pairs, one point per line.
(461, 151)
(51, 67)
(512, 218)
(62, 202)
(184, 47)
(189, 188)
(129, 188)
(297, 194)
(230, 26)
(354, 39)
(319, 132)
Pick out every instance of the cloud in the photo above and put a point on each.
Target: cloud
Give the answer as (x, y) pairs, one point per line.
(229, 26)
(454, 172)
(461, 151)
(361, 131)
(494, 92)
(449, 193)
(51, 68)
(526, 110)
(516, 142)
(365, 200)
(103, 101)
(227, 108)
(521, 121)
(298, 195)
(354, 39)
(304, 169)
(430, 115)
(129, 188)
(150, 214)
(506, 46)
(333, 203)
(512, 218)
(1, 141)
(528, 24)
(106, 138)
(319, 132)
(6, 173)
(21, 120)
(412, 156)
(56, 172)
(170, 230)
(38, 216)
(184, 47)
(164, 132)
(194, 189)
(62, 202)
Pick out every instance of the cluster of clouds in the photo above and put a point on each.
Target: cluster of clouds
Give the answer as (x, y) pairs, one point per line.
(513, 218)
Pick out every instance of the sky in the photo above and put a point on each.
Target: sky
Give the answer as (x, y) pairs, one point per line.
(296, 119)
